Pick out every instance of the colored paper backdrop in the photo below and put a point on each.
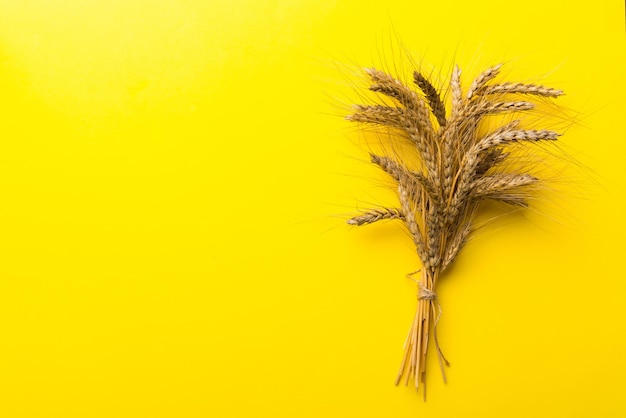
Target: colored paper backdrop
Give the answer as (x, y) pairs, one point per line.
(175, 178)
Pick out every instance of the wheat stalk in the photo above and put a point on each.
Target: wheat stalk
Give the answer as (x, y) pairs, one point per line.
(460, 169)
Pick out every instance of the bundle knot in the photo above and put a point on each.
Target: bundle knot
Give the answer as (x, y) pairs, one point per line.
(425, 293)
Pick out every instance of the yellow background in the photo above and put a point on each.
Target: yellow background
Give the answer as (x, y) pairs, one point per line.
(175, 178)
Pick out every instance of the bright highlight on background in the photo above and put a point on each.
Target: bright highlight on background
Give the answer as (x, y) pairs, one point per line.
(175, 178)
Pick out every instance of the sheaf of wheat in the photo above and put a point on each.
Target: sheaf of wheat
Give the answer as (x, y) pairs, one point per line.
(459, 167)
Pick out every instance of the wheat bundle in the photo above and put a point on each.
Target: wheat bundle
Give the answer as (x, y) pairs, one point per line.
(459, 168)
